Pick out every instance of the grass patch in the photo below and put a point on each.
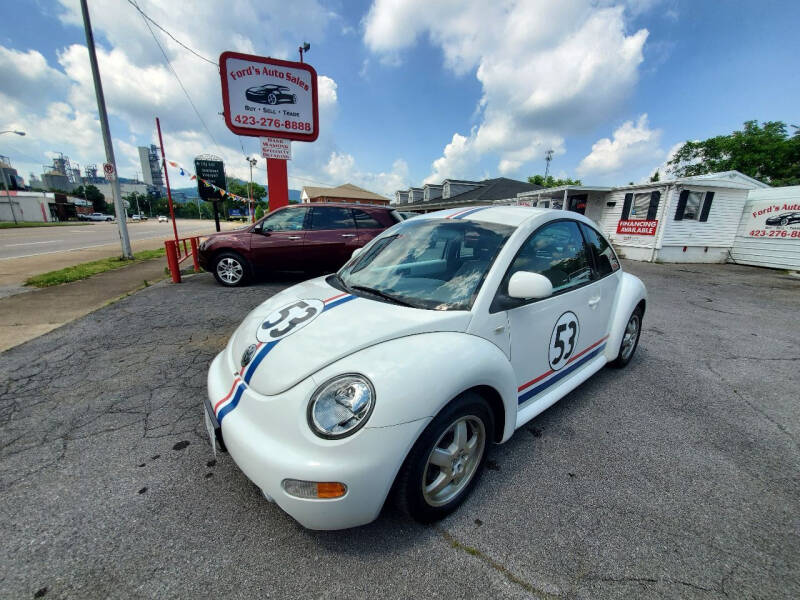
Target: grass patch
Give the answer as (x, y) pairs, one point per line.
(20, 224)
(87, 269)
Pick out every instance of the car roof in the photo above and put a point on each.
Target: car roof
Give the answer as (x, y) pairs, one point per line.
(339, 204)
(501, 215)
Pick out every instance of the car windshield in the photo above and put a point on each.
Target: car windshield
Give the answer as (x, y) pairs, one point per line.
(425, 263)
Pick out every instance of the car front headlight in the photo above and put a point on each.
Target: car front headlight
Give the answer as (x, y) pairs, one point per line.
(341, 406)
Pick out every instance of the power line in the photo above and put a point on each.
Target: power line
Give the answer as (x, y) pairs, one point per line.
(174, 39)
(188, 97)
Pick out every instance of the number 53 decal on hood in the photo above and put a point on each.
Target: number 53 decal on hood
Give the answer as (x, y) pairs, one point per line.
(288, 319)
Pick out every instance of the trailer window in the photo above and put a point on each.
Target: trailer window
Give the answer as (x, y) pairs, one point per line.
(640, 206)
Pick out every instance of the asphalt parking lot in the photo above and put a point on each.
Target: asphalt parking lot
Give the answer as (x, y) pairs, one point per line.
(676, 477)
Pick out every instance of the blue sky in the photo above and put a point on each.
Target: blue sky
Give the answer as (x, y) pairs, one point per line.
(413, 90)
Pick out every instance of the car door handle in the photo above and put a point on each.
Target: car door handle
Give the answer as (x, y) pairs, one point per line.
(293, 237)
(348, 235)
(593, 302)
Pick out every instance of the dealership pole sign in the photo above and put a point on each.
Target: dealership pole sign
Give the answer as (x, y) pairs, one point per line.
(270, 98)
(267, 97)
(777, 220)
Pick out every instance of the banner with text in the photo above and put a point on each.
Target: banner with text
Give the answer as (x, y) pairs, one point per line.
(770, 219)
(637, 227)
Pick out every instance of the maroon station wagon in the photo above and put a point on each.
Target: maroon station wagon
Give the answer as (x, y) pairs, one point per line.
(308, 237)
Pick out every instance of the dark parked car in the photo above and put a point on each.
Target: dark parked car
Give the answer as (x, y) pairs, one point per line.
(309, 237)
(270, 94)
(784, 219)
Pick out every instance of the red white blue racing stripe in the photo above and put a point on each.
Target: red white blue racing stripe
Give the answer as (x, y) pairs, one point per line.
(465, 212)
(240, 382)
(528, 390)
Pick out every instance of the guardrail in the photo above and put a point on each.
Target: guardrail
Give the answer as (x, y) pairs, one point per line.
(177, 252)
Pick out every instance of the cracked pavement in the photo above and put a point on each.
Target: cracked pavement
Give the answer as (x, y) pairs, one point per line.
(674, 478)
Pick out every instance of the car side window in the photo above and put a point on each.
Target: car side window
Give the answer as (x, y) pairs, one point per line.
(365, 220)
(290, 219)
(331, 217)
(605, 260)
(556, 251)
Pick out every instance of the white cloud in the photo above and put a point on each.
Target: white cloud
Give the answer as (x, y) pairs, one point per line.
(341, 168)
(55, 103)
(634, 145)
(547, 69)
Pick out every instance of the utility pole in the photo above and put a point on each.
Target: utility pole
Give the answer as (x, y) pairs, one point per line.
(547, 159)
(119, 208)
(5, 185)
(252, 162)
(8, 196)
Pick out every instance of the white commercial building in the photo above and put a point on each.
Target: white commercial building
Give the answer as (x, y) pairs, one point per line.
(690, 219)
(769, 230)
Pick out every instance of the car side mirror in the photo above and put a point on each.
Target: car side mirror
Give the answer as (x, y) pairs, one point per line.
(525, 285)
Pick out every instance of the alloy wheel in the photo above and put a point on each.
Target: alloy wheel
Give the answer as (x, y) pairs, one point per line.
(454, 460)
(630, 336)
(230, 270)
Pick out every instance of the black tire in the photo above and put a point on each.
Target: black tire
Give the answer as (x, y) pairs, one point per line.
(225, 268)
(624, 355)
(408, 489)
(784, 222)
(272, 99)
(109, 220)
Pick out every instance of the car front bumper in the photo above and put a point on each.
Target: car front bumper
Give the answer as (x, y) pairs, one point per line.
(269, 440)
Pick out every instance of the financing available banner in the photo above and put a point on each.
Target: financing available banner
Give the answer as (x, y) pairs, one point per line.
(637, 227)
(770, 219)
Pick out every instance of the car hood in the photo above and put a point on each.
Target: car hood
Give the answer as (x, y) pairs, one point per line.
(341, 325)
(221, 236)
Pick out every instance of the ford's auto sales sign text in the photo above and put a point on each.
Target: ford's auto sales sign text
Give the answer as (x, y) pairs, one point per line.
(267, 97)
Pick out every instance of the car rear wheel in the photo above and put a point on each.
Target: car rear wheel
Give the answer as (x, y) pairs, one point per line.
(630, 339)
(446, 461)
(230, 269)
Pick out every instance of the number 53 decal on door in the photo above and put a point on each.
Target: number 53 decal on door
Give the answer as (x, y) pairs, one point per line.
(563, 340)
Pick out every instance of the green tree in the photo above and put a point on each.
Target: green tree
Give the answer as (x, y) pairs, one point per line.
(655, 177)
(766, 152)
(138, 202)
(259, 211)
(93, 195)
(241, 188)
(551, 182)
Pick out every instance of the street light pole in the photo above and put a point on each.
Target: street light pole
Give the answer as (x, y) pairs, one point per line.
(5, 185)
(119, 208)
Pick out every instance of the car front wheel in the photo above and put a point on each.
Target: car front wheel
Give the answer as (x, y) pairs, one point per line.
(230, 269)
(272, 99)
(446, 461)
(784, 222)
(630, 339)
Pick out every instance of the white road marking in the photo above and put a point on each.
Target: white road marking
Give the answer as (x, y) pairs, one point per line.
(32, 243)
(190, 234)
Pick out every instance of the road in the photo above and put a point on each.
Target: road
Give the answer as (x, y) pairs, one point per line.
(36, 241)
(33, 250)
(673, 478)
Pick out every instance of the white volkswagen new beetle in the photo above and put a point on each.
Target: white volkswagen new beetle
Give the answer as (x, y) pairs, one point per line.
(443, 335)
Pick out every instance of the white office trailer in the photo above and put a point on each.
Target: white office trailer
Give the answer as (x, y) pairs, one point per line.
(769, 230)
(691, 219)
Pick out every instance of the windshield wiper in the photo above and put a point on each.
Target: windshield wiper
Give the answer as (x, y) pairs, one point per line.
(341, 282)
(381, 294)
